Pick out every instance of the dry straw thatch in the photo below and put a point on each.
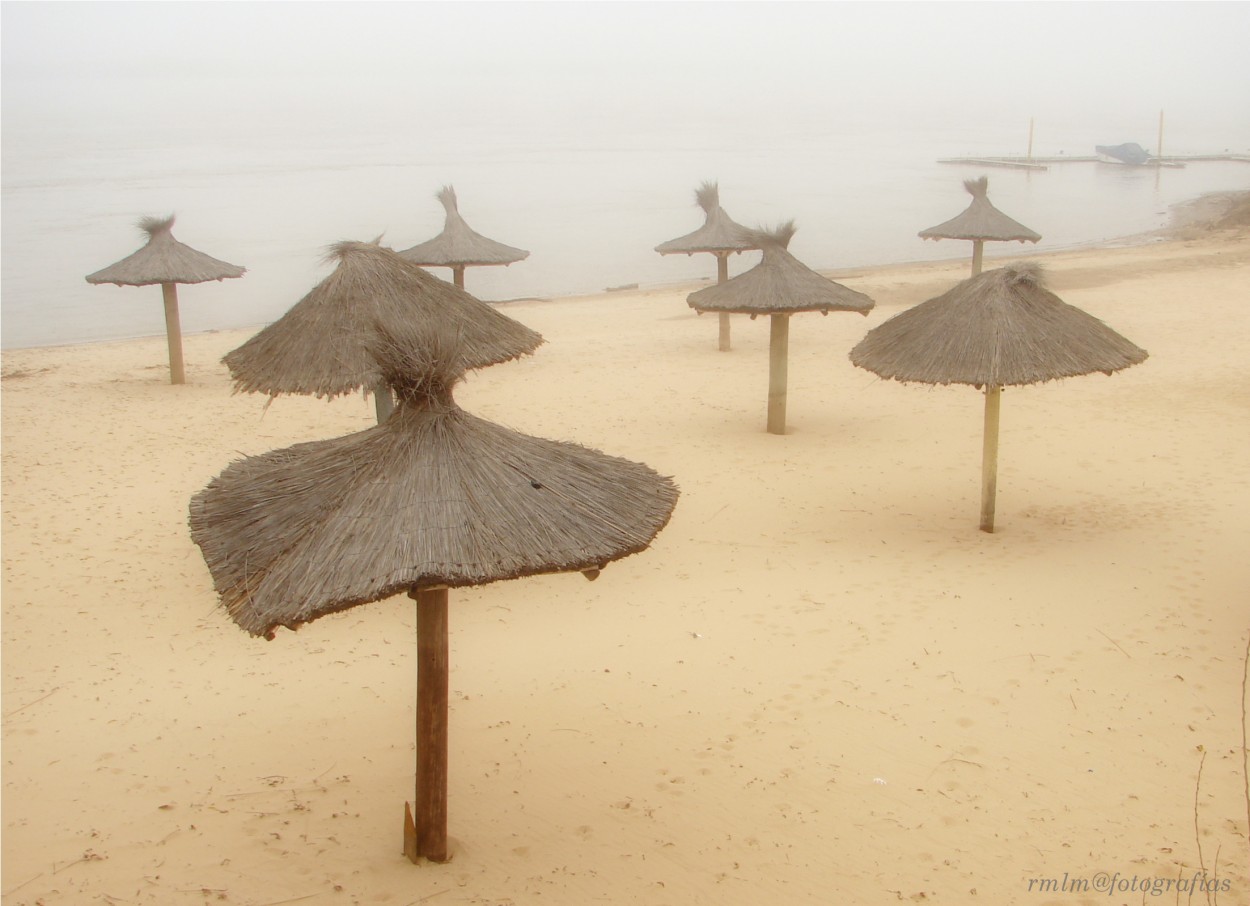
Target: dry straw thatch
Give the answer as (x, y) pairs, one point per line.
(718, 234)
(458, 245)
(1000, 328)
(319, 347)
(981, 220)
(431, 497)
(779, 284)
(164, 260)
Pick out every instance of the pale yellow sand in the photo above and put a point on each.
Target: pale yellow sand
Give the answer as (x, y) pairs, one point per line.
(822, 685)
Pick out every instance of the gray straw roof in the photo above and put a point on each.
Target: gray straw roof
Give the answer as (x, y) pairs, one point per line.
(779, 284)
(981, 220)
(458, 244)
(164, 260)
(718, 234)
(319, 346)
(432, 496)
(999, 328)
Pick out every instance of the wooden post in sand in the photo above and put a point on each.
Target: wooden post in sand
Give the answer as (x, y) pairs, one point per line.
(978, 249)
(457, 275)
(722, 276)
(778, 355)
(173, 332)
(425, 824)
(989, 457)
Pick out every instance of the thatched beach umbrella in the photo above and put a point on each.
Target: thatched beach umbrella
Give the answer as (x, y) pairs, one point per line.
(779, 286)
(982, 221)
(319, 346)
(431, 499)
(1002, 328)
(166, 261)
(458, 246)
(720, 236)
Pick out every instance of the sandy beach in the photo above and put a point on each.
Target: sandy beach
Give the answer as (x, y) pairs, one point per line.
(821, 685)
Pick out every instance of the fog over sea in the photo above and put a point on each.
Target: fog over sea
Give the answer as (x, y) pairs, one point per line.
(589, 178)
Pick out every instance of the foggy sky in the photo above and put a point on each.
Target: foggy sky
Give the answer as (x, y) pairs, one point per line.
(1113, 64)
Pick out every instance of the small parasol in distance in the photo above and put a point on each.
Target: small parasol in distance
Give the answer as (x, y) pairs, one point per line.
(779, 286)
(980, 222)
(166, 261)
(720, 236)
(458, 246)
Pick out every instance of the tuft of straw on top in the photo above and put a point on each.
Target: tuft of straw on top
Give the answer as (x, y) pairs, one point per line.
(154, 225)
(707, 196)
(447, 197)
(779, 235)
(419, 363)
(978, 188)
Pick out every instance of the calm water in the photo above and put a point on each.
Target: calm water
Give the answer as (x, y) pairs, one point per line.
(589, 200)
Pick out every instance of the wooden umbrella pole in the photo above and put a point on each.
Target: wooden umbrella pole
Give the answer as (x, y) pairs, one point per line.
(989, 457)
(978, 248)
(778, 356)
(425, 826)
(383, 402)
(457, 275)
(722, 276)
(173, 330)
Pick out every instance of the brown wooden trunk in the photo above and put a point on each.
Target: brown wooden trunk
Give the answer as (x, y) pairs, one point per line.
(722, 276)
(457, 275)
(989, 458)
(425, 827)
(778, 360)
(173, 332)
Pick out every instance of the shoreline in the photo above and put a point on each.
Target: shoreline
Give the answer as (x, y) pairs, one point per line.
(1188, 220)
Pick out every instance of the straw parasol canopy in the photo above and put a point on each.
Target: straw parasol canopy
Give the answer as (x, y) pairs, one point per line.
(432, 498)
(979, 223)
(720, 236)
(779, 286)
(458, 246)
(166, 261)
(319, 347)
(1002, 328)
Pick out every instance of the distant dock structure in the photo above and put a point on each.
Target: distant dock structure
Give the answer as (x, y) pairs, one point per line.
(1029, 162)
(1044, 163)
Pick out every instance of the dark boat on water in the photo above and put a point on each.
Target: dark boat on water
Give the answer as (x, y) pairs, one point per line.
(1129, 153)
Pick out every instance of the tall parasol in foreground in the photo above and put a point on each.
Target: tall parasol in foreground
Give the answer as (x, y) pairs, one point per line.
(319, 347)
(166, 261)
(458, 246)
(719, 235)
(779, 286)
(431, 499)
(982, 221)
(1002, 328)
